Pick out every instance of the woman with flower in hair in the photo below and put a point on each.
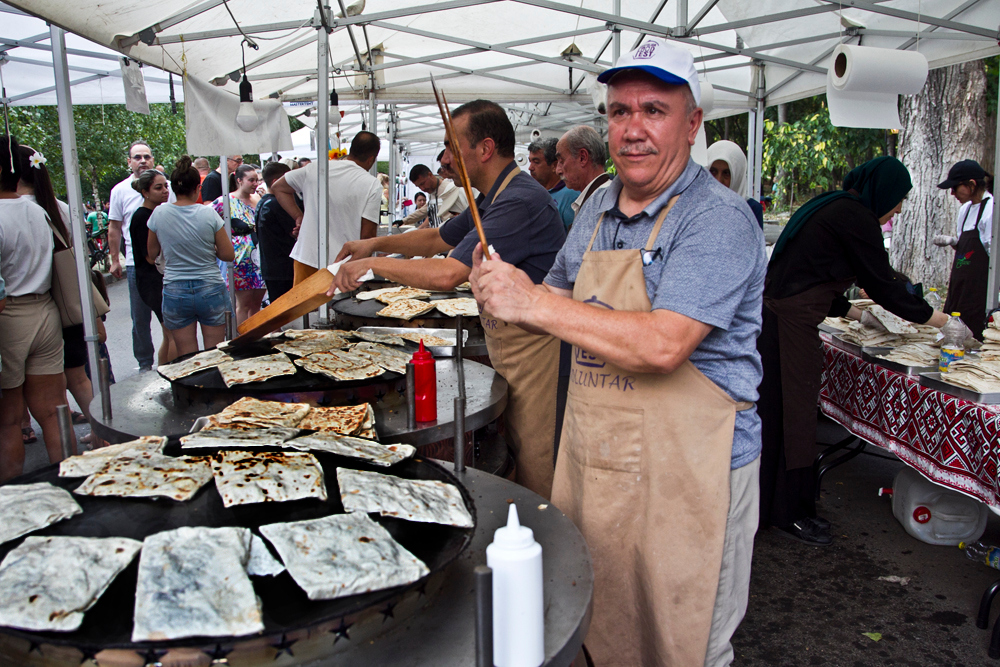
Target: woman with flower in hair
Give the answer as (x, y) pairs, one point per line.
(250, 286)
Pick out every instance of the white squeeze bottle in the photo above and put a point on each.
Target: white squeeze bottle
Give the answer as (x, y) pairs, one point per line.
(518, 622)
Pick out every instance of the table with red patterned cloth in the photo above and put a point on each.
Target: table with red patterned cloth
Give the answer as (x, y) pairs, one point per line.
(952, 441)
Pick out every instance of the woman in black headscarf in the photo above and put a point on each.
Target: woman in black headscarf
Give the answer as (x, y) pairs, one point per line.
(834, 240)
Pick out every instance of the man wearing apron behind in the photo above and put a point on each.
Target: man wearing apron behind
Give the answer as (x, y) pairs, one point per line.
(522, 223)
(658, 289)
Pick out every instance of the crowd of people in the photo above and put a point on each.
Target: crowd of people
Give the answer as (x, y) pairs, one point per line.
(662, 372)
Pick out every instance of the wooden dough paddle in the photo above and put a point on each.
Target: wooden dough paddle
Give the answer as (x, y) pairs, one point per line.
(302, 299)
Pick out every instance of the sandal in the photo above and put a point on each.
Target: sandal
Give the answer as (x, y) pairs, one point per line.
(28, 435)
(78, 417)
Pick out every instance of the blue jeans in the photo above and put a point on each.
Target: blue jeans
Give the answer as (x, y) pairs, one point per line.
(142, 339)
(188, 301)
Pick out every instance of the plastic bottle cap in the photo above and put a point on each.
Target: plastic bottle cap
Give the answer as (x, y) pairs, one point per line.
(423, 354)
(513, 535)
(956, 314)
(932, 289)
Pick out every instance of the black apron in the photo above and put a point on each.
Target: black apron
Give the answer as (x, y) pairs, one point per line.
(970, 272)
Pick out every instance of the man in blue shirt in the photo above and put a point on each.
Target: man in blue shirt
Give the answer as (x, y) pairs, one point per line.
(542, 166)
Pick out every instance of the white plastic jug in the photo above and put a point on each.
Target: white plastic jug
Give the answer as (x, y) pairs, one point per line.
(933, 514)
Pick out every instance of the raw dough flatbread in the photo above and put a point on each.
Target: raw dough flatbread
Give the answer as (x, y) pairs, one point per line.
(193, 582)
(90, 462)
(29, 507)
(405, 309)
(262, 563)
(428, 339)
(358, 448)
(341, 555)
(401, 293)
(47, 583)
(199, 362)
(346, 420)
(423, 500)
(463, 306)
(249, 477)
(340, 365)
(150, 475)
(257, 369)
(238, 437)
(263, 414)
(385, 339)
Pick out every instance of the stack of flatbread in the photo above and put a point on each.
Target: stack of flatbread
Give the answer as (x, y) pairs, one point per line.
(979, 375)
(423, 500)
(358, 448)
(47, 583)
(256, 369)
(405, 309)
(454, 307)
(244, 477)
(392, 359)
(357, 420)
(863, 336)
(149, 475)
(838, 322)
(29, 507)
(193, 582)
(199, 362)
(914, 354)
(341, 555)
(253, 413)
(991, 340)
(90, 462)
(340, 365)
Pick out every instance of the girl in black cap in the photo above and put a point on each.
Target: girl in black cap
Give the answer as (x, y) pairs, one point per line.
(971, 186)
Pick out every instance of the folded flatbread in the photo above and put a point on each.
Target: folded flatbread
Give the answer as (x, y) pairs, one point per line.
(90, 462)
(263, 414)
(427, 501)
(385, 339)
(405, 309)
(149, 475)
(401, 293)
(262, 563)
(434, 341)
(367, 295)
(256, 369)
(334, 337)
(346, 420)
(47, 583)
(193, 582)
(893, 323)
(29, 507)
(358, 448)
(199, 362)
(303, 347)
(463, 287)
(248, 477)
(341, 555)
(465, 307)
(238, 437)
(392, 359)
(340, 365)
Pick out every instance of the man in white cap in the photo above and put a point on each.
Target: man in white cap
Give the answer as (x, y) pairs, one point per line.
(658, 289)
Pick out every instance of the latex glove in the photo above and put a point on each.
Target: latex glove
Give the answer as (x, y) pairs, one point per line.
(944, 240)
(869, 321)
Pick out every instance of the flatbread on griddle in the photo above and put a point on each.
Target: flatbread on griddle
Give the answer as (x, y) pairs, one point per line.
(193, 582)
(389, 358)
(149, 475)
(333, 336)
(29, 507)
(401, 293)
(257, 369)
(422, 500)
(199, 362)
(260, 477)
(464, 287)
(238, 437)
(90, 462)
(346, 420)
(341, 555)
(47, 583)
(340, 365)
(463, 306)
(263, 414)
(429, 340)
(385, 339)
(358, 448)
(405, 309)
(367, 295)
(303, 347)
(262, 563)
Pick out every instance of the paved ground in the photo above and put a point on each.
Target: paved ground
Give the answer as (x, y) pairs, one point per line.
(810, 606)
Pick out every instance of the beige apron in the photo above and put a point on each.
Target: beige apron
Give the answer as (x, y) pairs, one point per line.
(530, 364)
(643, 471)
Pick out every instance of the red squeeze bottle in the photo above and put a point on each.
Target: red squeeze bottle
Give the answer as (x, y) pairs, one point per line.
(425, 383)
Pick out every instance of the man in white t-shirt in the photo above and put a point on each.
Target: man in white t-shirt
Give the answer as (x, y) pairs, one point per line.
(124, 201)
(355, 198)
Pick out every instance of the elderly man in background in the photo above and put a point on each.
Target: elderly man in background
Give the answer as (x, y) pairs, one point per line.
(445, 200)
(542, 167)
(580, 159)
(658, 288)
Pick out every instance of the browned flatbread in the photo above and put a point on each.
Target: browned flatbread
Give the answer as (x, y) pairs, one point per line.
(434, 341)
(256, 413)
(347, 420)
(199, 362)
(406, 309)
(466, 307)
(340, 365)
(331, 335)
(257, 369)
(402, 293)
(303, 347)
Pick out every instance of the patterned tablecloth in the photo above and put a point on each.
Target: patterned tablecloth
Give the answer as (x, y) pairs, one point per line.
(952, 441)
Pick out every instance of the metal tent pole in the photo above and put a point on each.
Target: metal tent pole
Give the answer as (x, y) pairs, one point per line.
(372, 118)
(71, 164)
(393, 165)
(758, 144)
(993, 283)
(227, 217)
(322, 159)
(616, 35)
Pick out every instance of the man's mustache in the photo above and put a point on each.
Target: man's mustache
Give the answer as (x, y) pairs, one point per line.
(638, 149)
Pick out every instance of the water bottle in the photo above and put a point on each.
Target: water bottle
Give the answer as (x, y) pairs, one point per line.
(953, 343)
(933, 299)
(982, 553)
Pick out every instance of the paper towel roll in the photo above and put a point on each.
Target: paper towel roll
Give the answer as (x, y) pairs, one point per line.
(863, 84)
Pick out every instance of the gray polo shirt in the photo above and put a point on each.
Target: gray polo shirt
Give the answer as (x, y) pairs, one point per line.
(708, 263)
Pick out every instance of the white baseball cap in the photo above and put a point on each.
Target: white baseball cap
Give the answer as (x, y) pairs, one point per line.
(667, 63)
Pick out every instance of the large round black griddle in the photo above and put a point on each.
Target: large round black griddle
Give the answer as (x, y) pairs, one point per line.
(352, 314)
(285, 607)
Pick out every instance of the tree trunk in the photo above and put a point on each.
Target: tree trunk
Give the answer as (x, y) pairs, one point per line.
(944, 123)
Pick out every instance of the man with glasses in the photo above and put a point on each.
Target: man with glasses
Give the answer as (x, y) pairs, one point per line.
(124, 202)
(211, 187)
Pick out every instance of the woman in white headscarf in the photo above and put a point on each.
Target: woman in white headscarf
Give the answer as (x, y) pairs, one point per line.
(728, 165)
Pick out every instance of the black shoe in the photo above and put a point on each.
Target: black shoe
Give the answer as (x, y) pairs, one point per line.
(822, 523)
(807, 532)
